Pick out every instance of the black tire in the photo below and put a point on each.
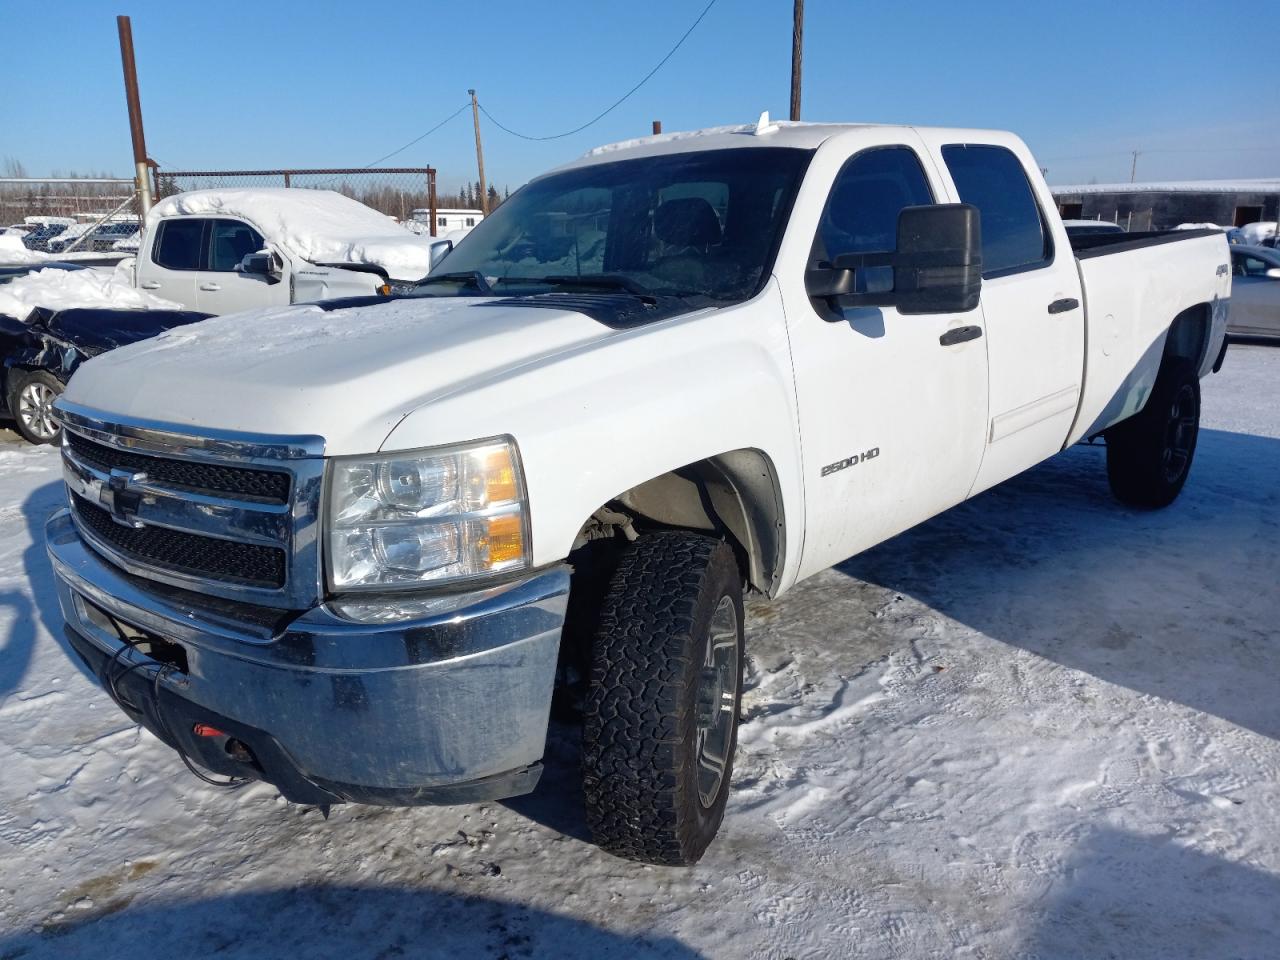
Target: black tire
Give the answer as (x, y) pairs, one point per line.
(30, 417)
(1149, 455)
(650, 789)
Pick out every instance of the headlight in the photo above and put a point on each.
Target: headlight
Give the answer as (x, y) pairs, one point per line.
(429, 516)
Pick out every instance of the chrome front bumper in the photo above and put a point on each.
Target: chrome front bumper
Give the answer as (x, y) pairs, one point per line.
(394, 700)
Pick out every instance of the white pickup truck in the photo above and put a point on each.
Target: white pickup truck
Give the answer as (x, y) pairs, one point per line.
(222, 251)
(351, 549)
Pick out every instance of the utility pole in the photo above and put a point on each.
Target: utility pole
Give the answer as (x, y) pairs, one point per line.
(141, 174)
(475, 118)
(797, 54)
(1133, 170)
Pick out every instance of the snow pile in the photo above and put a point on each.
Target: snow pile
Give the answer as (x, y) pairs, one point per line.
(12, 250)
(317, 225)
(69, 289)
(1199, 226)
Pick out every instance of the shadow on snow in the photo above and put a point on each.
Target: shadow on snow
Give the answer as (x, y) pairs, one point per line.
(323, 921)
(1179, 603)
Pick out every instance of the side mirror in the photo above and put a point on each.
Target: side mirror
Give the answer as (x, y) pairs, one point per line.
(260, 264)
(937, 266)
(439, 250)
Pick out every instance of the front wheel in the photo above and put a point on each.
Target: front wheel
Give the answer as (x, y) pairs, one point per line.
(1149, 455)
(31, 398)
(661, 718)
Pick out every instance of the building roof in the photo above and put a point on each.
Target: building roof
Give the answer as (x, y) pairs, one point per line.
(1263, 185)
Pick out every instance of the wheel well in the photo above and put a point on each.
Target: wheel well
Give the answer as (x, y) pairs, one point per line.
(1188, 336)
(734, 495)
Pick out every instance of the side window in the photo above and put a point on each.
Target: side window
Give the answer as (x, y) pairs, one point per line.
(230, 241)
(177, 244)
(992, 179)
(861, 215)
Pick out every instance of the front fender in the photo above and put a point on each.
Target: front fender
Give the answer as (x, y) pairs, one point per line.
(594, 422)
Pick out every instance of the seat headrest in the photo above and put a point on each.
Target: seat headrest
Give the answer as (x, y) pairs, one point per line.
(687, 222)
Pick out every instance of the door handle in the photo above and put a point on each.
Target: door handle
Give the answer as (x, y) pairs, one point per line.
(959, 335)
(211, 287)
(151, 285)
(1063, 305)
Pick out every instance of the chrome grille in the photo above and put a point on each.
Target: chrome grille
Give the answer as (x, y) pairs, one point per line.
(187, 553)
(270, 486)
(228, 515)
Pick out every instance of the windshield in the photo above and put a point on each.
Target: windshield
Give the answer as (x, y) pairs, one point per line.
(699, 223)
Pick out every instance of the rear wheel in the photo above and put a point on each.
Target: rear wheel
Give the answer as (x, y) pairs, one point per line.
(661, 718)
(1149, 455)
(31, 398)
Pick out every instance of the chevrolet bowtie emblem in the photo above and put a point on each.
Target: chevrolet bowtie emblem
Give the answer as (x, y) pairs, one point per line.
(119, 500)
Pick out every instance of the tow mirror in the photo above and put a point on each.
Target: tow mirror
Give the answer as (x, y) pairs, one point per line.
(261, 264)
(439, 250)
(937, 266)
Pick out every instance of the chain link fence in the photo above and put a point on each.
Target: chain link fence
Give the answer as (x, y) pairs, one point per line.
(70, 214)
(406, 193)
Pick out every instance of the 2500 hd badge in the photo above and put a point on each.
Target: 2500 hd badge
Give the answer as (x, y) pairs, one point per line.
(847, 462)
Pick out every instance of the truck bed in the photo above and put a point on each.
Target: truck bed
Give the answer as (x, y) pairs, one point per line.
(1102, 244)
(1135, 285)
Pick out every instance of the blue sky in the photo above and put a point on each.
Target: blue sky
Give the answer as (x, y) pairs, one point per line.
(1190, 83)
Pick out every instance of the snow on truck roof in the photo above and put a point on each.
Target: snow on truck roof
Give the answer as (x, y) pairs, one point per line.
(800, 134)
(320, 226)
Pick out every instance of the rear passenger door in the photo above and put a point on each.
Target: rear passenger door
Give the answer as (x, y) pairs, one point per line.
(220, 287)
(1031, 304)
(174, 256)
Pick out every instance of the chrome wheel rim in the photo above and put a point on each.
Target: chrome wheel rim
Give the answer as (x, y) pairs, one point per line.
(1180, 434)
(35, 410)
(717, 701)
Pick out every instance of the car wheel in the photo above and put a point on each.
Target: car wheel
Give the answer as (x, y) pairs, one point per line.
(661, 715)
(31, 398)
(1149, 455)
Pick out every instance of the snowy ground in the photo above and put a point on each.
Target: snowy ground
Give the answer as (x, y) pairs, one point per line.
(1038, 726)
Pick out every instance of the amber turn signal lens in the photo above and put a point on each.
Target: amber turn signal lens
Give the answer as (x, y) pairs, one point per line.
(500, 477)
(505, 539)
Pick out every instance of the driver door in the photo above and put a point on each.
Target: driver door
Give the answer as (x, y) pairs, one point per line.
(220, 286)
(892, 412)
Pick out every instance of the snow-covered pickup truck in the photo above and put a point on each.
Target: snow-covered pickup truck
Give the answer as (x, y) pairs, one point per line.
(222, 251)
(352, 548)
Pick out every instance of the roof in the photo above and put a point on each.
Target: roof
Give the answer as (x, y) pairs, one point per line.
(763, 133)
(1266, 185)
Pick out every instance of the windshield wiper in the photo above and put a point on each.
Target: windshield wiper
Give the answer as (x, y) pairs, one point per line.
(473, 277)
(599, 281)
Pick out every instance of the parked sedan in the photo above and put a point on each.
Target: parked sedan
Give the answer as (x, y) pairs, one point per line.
(1255, 292)
(39, 354)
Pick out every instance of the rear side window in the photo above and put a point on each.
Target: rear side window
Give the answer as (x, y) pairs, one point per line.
(870, 191)
(178, 244)
(992, 179)
(230, 241)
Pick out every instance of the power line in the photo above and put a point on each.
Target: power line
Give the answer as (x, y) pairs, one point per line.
(419, 138)
(617, 103)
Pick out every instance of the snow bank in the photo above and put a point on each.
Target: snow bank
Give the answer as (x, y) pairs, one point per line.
(317, 225)
(12, 250)
(1199, 226)
(69, 289)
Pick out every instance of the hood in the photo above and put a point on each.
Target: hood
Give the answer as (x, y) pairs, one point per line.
(348, 375)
